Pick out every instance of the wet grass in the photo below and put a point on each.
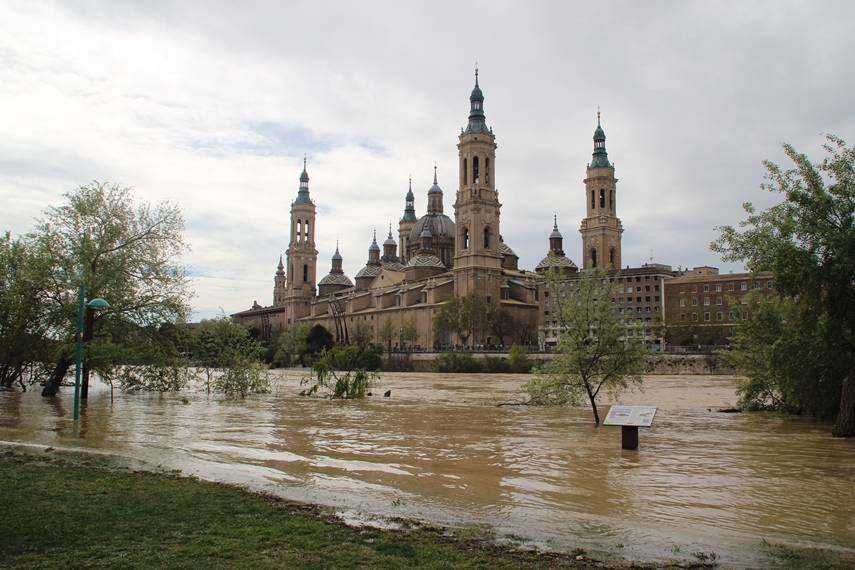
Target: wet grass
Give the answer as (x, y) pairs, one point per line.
(66, 510)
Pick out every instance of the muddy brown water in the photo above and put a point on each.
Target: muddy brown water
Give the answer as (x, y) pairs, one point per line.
(440, 450)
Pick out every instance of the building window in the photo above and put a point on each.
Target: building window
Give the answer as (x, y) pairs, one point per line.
(306, 230)
(486, 238)
(718, 301)
(545, 303)
(638, 299)
(620, 300)
(756, 285)
(647, 287)
(656, 298)
(629, 289)
(743, 286)
(694, 302)
(546, 313)
(646, 309)
(305, 273)
(706, 316)
(706, 301)
(656, 287)
(730, 315)
(593, 199)
(546, 293)
(602, 198)
(465, 172)
(620, 310)
(647, 299)
(682, 302)
(638, 310)
(695, 317)
(719, 316)
(475, 170)
(682, 288)
(706, 288)
(718, 287)
(694, 288)
(487, 171)
(730, 286)
(638, 279)
(465, 238)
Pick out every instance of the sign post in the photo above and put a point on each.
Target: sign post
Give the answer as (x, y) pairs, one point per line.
(630, 418)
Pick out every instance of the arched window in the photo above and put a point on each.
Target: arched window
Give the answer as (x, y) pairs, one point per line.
(593, 199)
(602, 198)
(299, 229)
(594, 258)
(486, 238)
(306, 230)
(487, 171)
(305, 273)
(612, 257)
(465, 238)
(475, 170)
(291, 274)
(465, 173)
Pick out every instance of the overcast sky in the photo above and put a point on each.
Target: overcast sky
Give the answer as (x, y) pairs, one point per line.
(212, 105)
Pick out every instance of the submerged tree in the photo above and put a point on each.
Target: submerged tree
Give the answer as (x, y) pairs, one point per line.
(808, 242)
(229, 358)
(342, 372)
(596, 352)
(124, 252)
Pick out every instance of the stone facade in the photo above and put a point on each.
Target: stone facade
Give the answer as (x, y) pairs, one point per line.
(436, 256)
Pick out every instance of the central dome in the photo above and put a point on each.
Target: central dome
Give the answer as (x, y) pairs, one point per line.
(439, 226)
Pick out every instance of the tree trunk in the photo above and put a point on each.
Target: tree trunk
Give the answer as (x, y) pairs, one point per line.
(52, 385)
(845, 426)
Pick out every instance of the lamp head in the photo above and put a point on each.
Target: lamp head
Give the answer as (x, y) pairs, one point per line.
(98, 304)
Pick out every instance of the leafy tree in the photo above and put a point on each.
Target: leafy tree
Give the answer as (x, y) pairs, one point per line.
(318, 339)
(361, 333)
(125, 253)
(340, 373)
(23, 335)
(502, 323)
(230, 359)
(386, 333)
(595, 351)
(410, 331)
(292, 345)
(465, 316)
(808, 242)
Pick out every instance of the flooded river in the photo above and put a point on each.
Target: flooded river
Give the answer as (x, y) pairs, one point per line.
(440, 450)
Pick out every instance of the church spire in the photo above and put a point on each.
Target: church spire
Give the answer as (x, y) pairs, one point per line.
(303, 193)
(409, 208)
(600, 158)
(476, 109)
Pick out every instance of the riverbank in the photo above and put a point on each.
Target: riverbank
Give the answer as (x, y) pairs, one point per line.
(657, 364)
(67, 510)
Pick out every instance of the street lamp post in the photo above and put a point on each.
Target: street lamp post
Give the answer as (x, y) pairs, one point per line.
(82, 305)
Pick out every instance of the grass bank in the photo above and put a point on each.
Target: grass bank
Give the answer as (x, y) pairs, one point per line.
(64, 510)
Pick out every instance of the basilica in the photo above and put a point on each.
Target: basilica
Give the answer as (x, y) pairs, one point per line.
(436, 255)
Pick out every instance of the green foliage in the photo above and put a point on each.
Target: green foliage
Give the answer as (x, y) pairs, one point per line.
(496, 364)
(318, 339)
(24, 336)
(291, 345)
(808, 242)
(229, 358)
(457, 363)
(123, 252)
(153, 378)
(410, 332)
(465, 316)
(340, 373)
(595, 351)
(361, 333)
(519, 361)
(386, 332)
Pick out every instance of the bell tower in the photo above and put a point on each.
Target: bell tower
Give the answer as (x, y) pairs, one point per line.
(477, 254)
(301, 256)
(601, 229)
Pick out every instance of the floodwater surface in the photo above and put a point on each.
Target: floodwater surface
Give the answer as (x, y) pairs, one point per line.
(439, 449)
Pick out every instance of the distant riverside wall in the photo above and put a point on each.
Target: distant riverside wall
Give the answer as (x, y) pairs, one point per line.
(657, 364)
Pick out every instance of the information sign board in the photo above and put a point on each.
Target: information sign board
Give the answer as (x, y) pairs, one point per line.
(638, 416)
